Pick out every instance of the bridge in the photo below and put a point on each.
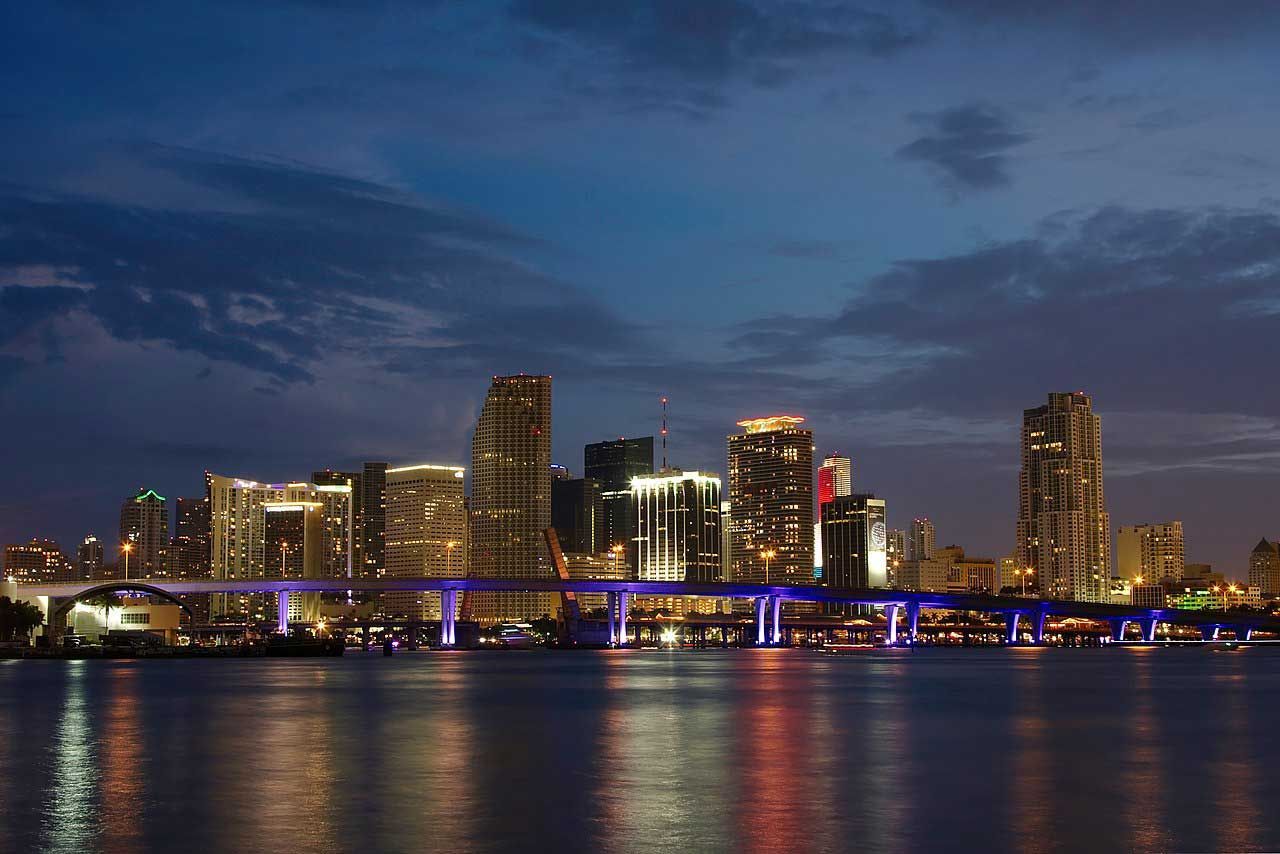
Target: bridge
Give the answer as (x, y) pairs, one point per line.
(1018, 612)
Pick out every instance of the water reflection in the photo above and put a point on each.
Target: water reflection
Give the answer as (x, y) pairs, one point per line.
(123, 760)
(1144, 777)
(1029, 778)
(70, 821)
(1236, 812)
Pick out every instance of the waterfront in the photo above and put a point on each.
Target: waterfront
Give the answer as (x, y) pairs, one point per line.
(1028, 749)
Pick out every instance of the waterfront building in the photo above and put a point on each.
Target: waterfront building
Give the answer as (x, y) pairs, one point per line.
(511, 495)
(189, 554)
(144, 528)
(613, 465)
(38, 561)
(426, 533)
(1150, 551)
(294, 547)
(373, 506)
(90, 559)
(950, 570)
(771, 493)
(677, 526)
(1146, 594)
(609, 566)
(1264, 567)
(922, 538)
(1064, 531)
(835, 478)
(854, 542)
(577, 514)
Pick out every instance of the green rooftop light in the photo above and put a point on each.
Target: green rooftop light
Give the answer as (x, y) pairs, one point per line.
(142, 496)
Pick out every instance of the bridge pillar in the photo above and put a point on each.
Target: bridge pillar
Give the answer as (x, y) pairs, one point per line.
(1037, 625)
(282, 612)
(760, 636)
(1011, 626)
(913, 620)
(1243, 633)
(448, 617)
(775, 606)
(891, 624)
(611, 609)
(1209, 633)
(1148, 628)
(622, 619)
(412, 640)
(1118, 625)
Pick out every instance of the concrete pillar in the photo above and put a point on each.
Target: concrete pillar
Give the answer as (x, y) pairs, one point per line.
(760, 636)
(622, 619)
(775, 605)
(891, 624)
(913, 620)
(1011, 627)
(1209, 633)
(364, 637)
(1243, 633)
(611, 606)
(448, 617)
(1148, 628)
(1118, 625)
(1037, 626)
(282, 612)
(413, 634)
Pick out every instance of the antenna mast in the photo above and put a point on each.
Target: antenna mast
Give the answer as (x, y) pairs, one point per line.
(664, 434)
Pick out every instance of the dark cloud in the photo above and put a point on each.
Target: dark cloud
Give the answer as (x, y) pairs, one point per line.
(969, 144)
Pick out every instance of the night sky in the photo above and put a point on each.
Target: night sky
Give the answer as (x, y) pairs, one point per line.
(266, 240)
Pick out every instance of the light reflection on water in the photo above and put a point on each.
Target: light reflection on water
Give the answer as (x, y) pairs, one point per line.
(1006, 750)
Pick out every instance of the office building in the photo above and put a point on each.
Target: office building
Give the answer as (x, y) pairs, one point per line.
(511, 495)
(37, 561)
(1064, 531)
(854, 542)
(426, 533)
(1264, 568)
(373, 504)
(921, 542)
(294, 547)
(835, 478)
(678, 535)
(613, 465)
(90, 559)
(577, 514)
(144, 528)
(1153, 552)
(189, 554)
(355, 480)
(771, 493)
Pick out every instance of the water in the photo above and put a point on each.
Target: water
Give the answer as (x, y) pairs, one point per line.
(739, 750)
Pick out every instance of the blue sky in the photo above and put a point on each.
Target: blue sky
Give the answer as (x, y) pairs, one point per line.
(265, 239)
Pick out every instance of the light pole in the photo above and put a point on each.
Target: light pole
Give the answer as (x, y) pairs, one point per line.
(1024, 573)
(448, 557)
(126, 548)
(283, 547)
(768, 555)
(615, 551)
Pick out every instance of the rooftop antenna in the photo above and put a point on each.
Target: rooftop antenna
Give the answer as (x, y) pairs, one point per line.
(664, 434)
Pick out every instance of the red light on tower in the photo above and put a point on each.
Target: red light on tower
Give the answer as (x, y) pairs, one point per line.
(826, 485)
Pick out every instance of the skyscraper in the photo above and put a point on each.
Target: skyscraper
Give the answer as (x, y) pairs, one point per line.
(511, 494)
(1155, 552)
(1064, 531)
(771, 493)
(426, 532)
(577, 514)
(1264, 567)
(294, 547)
(854, 542)
(677, 526)
(90, 559)
(190, 551)
(373, 505)
(835, 477)
(355, 480)
(613, 464)
(922, 538)
(896, 553)
(144, 528)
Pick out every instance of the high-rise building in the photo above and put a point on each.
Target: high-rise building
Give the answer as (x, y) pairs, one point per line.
(1064, 531)
(896, 553)
(771, 492)
(189, 555)
(677, 526)
(144, 528)
(835, 478)
(426, 532)
(854, 542)
(37, 562)
(511, 495)
(1264, 567)
(577, 514)
(613, 465)
(921, 543)
(294, 547)
(1155, 552)
(90, 559)
(373, 506)
(355, 480)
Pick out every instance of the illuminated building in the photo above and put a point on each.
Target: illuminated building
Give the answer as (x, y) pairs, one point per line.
(1144, 595)
(1154, 552)
(921, 543)
(613, 465)
(426, 533)
(678, 534)
(294, 547)
(355, 480)
(189, 554)
(90, 559)
(595, 567)
(144, 527)
(1264, 567)
(1064, 531)
(511, 495)
(896, 553)
(854, 545)
(37, 562)
(373, 505)
(835, 478)
(577, 514)
(771, 493)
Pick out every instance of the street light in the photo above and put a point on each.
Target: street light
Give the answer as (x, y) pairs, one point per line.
(768, 555)
(283, 546)
(1024, 573)
(448, 557)
(615, 551)
(126, 547)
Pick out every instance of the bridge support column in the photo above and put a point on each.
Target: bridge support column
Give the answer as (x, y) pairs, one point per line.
(412, 640)
(775, 606)
(282, 612)
(611, 606)
(622, 619)
(1243, 633)
(1011, 627)
(1148, 629)
(1209, 633)
(760, 636)
(1118, 626)
(1037, 625)
(913, 620)
(448, 617)
(891, 624)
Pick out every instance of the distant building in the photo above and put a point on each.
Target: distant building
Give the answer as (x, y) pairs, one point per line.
(355, 480)
(37, 562)
(511, 495)
(1264, 568)
(835, 478)
(922, 536)
(950, 570)
(1146, 595)
(426, 532)
(1153, 552)
(613, 465)
(373, 506)
(189, 554)
(559, 472)
(771, 493)
(90, 559)
(577, 514)
(293, 547)
(854, 542)
(678, 526)
(595, 567)
(1064, 532)
(144, 528)
(896, 553)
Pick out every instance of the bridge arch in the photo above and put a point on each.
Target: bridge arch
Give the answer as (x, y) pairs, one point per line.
(58, 616)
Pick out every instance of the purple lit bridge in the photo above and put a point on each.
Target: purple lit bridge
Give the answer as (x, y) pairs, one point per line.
(1018, 612)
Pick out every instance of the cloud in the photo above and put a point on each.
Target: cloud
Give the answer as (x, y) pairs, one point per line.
(968, 144)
